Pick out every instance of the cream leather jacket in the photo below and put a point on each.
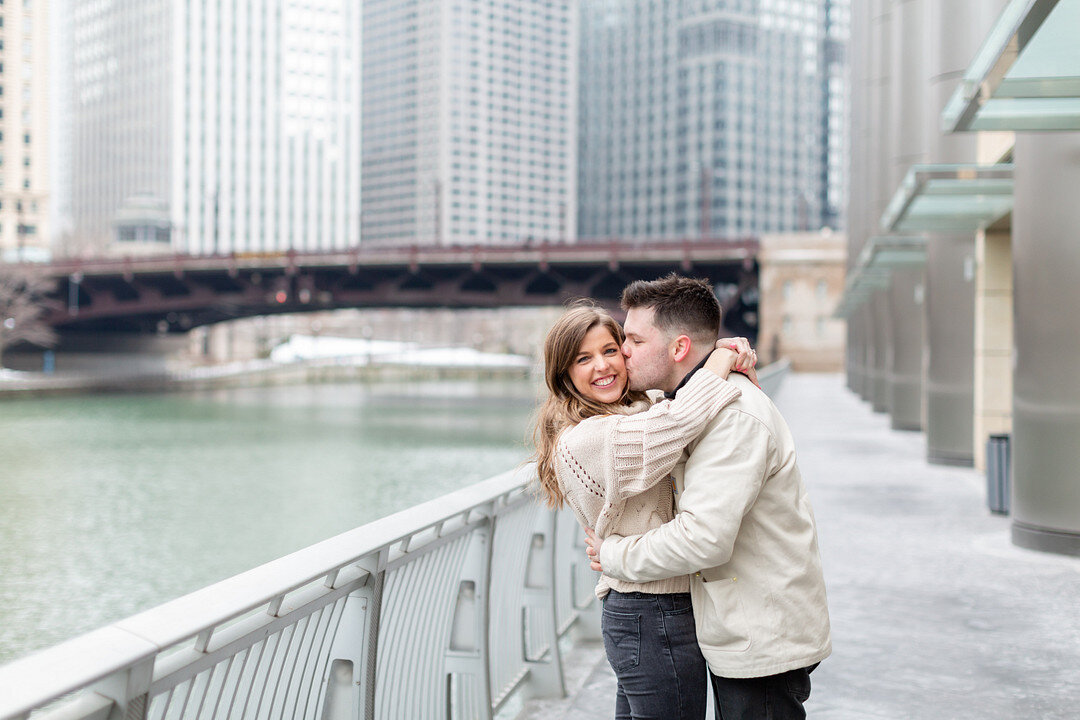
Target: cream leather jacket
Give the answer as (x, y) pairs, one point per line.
(745, 531)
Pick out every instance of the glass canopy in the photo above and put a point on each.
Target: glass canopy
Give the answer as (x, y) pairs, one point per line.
(950, 198)
(1026, 76)
(873, 270)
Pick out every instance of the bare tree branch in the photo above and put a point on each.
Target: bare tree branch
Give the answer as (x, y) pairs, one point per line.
(24, 303)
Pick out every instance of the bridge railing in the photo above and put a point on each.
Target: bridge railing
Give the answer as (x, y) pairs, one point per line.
(442, 611)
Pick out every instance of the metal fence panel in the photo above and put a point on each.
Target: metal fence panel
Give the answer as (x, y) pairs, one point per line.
(441, 611)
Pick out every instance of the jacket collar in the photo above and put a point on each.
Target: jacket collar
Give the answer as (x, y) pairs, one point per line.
(686, 378)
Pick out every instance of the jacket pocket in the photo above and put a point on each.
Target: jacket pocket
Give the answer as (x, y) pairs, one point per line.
(622, 639)
(722, 623)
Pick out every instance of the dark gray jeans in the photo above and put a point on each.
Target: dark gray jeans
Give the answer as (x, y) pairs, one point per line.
(775, 697)
(653, 649)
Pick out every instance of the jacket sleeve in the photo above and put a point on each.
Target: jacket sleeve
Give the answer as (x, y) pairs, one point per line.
(723, 476)
(642, 449)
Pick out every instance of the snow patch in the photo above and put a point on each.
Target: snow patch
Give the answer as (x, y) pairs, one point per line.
(362, 352)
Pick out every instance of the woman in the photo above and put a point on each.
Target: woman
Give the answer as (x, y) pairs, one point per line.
(648, 628)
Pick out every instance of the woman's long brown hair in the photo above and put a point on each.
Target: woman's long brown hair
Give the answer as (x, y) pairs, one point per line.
(565, 406)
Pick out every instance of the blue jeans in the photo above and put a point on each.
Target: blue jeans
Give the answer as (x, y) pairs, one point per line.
(653, 649)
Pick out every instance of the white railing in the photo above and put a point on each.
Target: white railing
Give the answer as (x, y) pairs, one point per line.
(442, 611)
(771, 377)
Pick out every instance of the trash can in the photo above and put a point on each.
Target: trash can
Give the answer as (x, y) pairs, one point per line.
(997, 474)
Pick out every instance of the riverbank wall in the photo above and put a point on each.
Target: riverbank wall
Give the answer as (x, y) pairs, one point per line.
(253, 373)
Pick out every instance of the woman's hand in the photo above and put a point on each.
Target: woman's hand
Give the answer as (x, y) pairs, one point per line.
(746, 358)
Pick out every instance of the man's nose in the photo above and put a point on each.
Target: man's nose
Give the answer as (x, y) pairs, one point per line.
(625, 349)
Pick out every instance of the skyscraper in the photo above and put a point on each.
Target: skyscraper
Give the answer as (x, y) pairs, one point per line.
(837, 95)
(214, 127)
(704, 118)
(469, 130)
(24, 130)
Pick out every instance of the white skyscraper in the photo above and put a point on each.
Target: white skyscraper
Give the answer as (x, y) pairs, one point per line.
(705, 117)
(24, 130)
(206, 127)
(470, 121)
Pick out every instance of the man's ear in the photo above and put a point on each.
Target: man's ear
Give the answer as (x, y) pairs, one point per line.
(680, 347)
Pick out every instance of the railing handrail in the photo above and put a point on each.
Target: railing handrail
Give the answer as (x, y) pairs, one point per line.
(33, 681)
(772, 376)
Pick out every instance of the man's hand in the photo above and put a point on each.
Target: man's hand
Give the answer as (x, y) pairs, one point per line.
(593, 544)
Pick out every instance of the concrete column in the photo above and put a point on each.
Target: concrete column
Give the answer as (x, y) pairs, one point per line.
(955, 29)
(1046, 390)
(864, 358)
(950, 336)
(851, 367)
(858, 337)
(905, 376)
(881, 391)
(908, 146)
(993, 339)
(879, 176)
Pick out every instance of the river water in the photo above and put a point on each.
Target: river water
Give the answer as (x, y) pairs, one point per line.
(110, 505)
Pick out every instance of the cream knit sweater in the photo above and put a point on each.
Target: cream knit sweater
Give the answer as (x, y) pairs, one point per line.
(614, 470)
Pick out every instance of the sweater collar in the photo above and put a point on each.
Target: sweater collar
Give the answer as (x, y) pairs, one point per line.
(686, 378)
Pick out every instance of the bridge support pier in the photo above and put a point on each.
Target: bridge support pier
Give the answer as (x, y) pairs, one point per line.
(104, 354)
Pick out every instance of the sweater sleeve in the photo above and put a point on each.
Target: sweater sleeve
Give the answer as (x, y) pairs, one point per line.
(724, 476)
(637, 451)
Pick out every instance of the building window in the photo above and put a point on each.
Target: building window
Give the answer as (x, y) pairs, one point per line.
(786, 290)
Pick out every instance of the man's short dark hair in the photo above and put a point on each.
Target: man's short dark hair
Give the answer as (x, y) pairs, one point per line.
(684, 306)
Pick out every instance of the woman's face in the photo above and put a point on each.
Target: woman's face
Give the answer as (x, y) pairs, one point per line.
(598, 371)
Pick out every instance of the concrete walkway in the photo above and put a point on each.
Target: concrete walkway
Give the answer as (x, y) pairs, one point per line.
(935, 614)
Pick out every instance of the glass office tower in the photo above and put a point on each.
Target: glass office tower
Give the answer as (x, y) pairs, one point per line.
(719, 117)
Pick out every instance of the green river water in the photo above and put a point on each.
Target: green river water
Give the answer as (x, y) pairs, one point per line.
(110, 505)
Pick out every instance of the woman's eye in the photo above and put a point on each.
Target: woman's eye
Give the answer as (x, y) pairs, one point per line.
(609, 351)
(582, 360)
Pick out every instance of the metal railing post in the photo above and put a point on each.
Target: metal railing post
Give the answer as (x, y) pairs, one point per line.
(349, 685)
(129, 691)
(467, 654)
(546, 672)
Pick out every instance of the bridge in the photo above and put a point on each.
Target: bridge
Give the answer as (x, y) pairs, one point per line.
(174, 293)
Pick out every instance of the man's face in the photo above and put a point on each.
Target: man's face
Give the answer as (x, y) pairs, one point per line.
(647, 348)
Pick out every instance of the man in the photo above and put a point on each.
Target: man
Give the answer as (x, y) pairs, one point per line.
(744, 529)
